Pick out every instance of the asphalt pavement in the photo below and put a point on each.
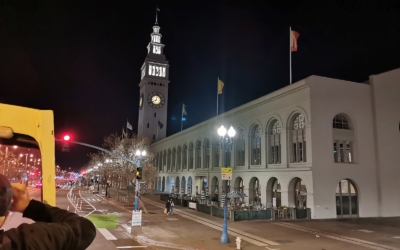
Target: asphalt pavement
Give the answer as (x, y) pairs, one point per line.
(190, 229)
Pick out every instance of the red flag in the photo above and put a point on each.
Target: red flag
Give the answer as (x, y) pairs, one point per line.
(294, 35)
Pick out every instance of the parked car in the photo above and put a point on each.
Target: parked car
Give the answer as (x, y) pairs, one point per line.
(38, 185)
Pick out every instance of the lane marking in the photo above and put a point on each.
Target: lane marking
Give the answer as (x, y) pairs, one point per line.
(106, 234)
(367, 244)
(365, 231)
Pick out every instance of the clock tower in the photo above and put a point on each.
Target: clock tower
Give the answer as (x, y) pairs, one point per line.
(154, 82)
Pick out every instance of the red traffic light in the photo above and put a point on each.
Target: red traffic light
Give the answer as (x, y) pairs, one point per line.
(66, 137)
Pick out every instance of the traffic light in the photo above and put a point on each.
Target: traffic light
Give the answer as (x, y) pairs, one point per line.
(65, 147)
(138, 173)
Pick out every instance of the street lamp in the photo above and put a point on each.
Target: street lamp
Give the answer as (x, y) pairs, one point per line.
(140, 154)
(226, 144)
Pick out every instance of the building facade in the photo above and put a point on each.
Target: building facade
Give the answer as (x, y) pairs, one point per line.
(329, 145)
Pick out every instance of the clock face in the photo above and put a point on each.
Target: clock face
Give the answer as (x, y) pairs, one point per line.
(141, 101)
(156, 100)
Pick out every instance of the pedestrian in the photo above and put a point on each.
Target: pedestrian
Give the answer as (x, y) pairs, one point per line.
(168, 207)
(63, 229)
(172, 206)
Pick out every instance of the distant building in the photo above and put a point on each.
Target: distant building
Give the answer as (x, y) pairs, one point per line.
(329, 145)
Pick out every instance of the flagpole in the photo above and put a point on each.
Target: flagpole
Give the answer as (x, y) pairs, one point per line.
(290, 53)
(182, 118)
(157, 131)
(156, 14)
(217, 93)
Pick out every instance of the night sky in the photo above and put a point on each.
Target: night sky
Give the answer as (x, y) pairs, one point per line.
(82, 59)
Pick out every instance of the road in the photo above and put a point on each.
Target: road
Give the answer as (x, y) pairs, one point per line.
(189, 229)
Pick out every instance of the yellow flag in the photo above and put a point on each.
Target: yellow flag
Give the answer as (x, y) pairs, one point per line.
(220, 86)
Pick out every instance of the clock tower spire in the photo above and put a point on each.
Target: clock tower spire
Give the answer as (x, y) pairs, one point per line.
(152, 121)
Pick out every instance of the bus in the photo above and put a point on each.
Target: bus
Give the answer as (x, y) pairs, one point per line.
(31, 129)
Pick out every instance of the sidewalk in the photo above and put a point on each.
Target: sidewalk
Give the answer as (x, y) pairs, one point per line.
(196, 230)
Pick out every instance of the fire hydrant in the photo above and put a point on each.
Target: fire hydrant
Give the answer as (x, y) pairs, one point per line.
(238, 241)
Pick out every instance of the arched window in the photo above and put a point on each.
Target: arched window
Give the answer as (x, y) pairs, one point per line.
(156, 161)
(256, 145)
(191, 155)
(342, 142)
(274, 141)
(298, 138)
(206, 149)
(340, 122)
(173, 159)
(178, 159)
(240, 148)
(198, 154)
(215, 152)
(160, 162)
(184, 157)
(164, 163)
(169, 160)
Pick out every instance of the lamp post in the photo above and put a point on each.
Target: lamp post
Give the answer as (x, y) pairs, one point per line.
(139, 154)
(226, 144)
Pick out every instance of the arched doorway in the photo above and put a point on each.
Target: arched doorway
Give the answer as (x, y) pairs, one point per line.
(274, 193)
(346, 199)
(167, 185)
(214, 189)
(189, 185)
(254, 191)
(297, 193)
(177, 187)
(163, 184)
(172, 185)
(239, 185)
(183, 185)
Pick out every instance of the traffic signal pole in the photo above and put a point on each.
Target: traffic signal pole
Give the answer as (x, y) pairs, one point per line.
(102, 149)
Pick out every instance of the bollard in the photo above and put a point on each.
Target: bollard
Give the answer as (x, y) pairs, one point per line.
(238, 241)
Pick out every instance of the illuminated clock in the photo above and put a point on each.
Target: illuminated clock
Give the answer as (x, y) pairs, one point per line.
(156, 100)
(141, 101)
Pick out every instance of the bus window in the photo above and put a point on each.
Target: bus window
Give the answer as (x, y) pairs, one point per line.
(27, 149)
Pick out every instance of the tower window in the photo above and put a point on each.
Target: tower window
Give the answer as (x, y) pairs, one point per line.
(155, 114)
(148, 125)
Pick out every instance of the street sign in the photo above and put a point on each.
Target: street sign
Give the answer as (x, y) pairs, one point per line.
(136, 218)
(226, 176)
(226, 170)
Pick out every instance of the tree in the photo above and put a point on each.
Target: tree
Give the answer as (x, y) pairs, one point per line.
(150, 175)
(123, 170)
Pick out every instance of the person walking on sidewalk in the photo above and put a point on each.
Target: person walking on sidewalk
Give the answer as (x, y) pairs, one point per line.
(168, 207)
(172, 206)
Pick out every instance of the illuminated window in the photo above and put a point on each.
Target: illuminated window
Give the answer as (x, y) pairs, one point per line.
(156, 49)
(156, 71)
(342, 142)
(298, 138)
(156, 39)
(206, 150)
(240, 148)
(275, 143)
(256, 145)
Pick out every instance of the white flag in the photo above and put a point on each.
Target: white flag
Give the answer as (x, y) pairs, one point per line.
(184, 109)
(128, 125)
